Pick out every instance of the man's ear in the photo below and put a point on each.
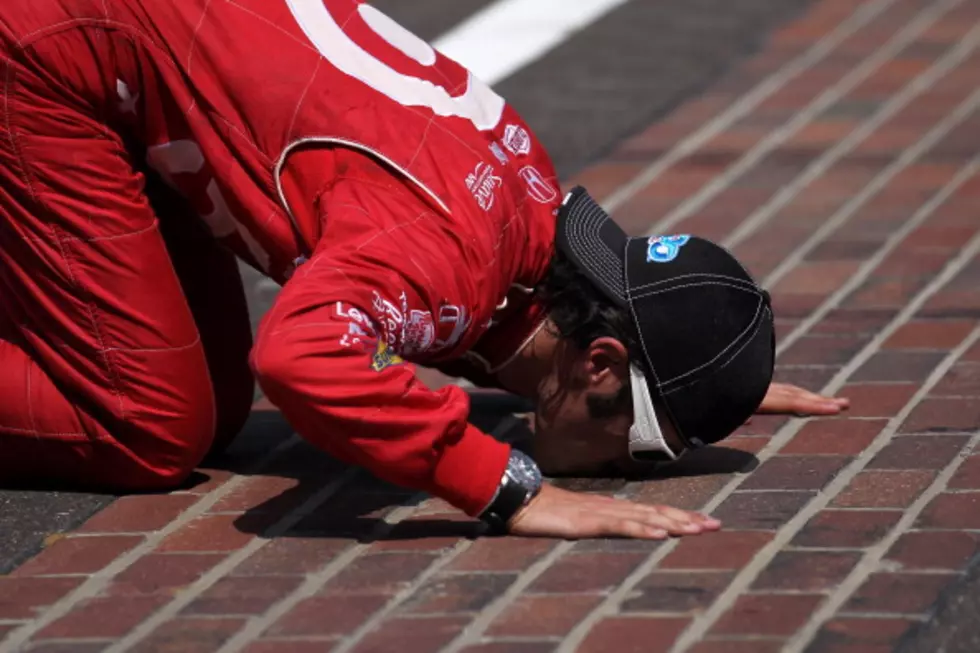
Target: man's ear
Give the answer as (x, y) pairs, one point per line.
(606, 364)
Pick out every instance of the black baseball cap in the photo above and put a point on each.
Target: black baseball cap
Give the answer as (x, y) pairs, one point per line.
(704, 326)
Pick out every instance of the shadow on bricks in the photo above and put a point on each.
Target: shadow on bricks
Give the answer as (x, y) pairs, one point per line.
(358, 509)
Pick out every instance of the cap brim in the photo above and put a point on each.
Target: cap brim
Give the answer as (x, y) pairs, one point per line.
(594, 243)
(647, 442)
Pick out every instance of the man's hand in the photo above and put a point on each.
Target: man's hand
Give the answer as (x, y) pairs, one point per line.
(783, 399)
(572, 516)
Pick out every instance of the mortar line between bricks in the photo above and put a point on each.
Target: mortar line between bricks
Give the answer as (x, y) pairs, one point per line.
(94, 585)
(835, 91)
(255, 626)
(785, 534)
(748, 102)
(908, 156)
(475, 630)
(608, 606)
(438, 565)
(473, 634)
(825, 162)
(853, 282)
(915, 616)
(230, 562)
(872, 558)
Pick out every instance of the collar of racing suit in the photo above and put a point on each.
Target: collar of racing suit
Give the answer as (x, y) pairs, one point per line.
(518, 319)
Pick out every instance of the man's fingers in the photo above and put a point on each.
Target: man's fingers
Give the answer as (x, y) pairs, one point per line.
(637, 530)
(672, 520)
(792, 400)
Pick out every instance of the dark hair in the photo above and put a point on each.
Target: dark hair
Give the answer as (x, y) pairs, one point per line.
(580, 314)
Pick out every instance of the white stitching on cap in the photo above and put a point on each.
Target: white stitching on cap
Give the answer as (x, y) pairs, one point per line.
(723, 351)
(588, 249)
(583, 245)
(698, 285)
(726, 363)
(698, 274)
(639, 331)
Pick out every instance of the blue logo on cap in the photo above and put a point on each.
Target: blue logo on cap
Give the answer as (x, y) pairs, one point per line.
(664, 249)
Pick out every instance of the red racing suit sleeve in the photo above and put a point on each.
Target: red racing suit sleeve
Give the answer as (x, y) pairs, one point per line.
(322, 356)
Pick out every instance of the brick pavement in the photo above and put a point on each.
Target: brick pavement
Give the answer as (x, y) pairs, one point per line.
(842, 164)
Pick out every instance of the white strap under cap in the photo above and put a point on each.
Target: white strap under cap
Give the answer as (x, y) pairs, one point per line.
(645, 434)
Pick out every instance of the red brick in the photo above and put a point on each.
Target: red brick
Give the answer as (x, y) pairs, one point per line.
(795, 305)
(846, 437)
(510, 646)
(851, 321)
(765, 425)
(105, 617)
(942, 415)
(822, 350)
(955, 511)
(543, 616)
(162, 574)
(211, 481)
(422, 635)
(760, 510)
(898, 366)
(380, 573)
(738, 646)
(78, 555)
(884, 489)
(208, 533)
(501, 554)
(633, 635)
(604, 177)
(67, 647)
(935, 550)
(898, 593)
(587, 572)
(458, 593)
(821, 278)
(22, 598)
(795, 473)
(845, 247)
(962, 380)
(685, 591)
(846, 529)
(751, 444)
(690, 492)
(807, 571)
(292, 556)
(290, 646)
(326, 615)
(242, 596)
(805, 377)
(767, 614)
(266, 493)
(967, 477)
(878, 399)
(139, 514)
(943, 335)
(855, 635)
(725, 549)
(931, 452)
(972, 354)
(189, 635)
(429, 533)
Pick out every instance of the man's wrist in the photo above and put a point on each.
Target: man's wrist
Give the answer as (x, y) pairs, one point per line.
(519, 484)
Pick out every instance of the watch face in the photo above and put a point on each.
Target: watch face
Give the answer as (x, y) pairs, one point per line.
(524, 470)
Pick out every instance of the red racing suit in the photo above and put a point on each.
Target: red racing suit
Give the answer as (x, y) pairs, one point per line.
(400, 201)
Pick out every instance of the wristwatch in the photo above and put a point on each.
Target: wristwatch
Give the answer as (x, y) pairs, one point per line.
(520, 483)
